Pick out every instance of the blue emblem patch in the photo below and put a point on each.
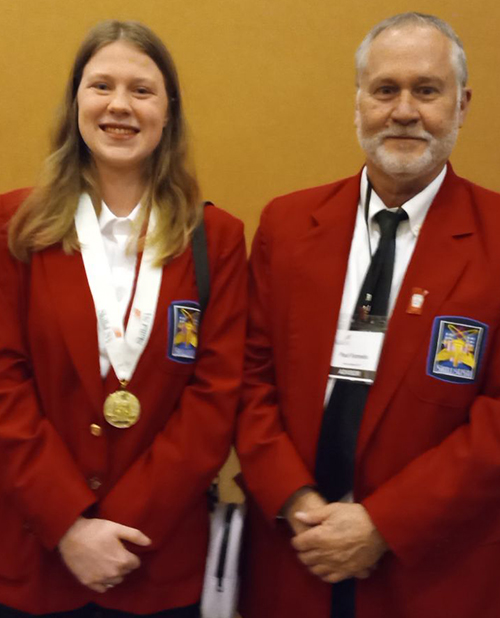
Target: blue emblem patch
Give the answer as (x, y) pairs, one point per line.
(184, 322)
(457, 345)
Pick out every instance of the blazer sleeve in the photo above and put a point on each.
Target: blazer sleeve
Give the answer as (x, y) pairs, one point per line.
(37, 473)
(450, 493)
(272, 467)
(176, 470)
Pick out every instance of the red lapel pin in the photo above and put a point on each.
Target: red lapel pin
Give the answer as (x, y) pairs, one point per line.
(417, 298)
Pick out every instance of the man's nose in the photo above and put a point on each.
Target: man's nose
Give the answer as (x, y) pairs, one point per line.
(405, 109)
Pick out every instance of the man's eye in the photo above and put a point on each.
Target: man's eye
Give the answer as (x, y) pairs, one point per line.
(385, 91)
(427, 91)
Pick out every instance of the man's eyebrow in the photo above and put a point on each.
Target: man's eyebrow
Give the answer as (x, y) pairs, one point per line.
(383, 80)
(430, 78)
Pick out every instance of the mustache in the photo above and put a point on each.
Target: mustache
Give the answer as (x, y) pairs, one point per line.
(407, 132)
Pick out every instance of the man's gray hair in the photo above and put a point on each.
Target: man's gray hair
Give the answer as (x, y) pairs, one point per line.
(416, 19)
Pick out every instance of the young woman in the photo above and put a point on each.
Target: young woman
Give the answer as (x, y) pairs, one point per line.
(117, 396)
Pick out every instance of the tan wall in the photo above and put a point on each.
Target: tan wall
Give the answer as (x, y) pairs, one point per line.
(268, 86)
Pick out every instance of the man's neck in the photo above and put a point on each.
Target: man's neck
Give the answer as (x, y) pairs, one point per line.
(394, 191)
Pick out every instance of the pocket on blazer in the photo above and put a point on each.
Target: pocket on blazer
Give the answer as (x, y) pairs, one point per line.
(181, 559)
(18, 545)
(492, 538)
(428, 381)
(431, 390)
(169, 366)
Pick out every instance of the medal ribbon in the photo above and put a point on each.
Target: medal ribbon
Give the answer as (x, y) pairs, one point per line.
(124, 348)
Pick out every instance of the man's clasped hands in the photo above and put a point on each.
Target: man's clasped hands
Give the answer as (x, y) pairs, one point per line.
(335, 541)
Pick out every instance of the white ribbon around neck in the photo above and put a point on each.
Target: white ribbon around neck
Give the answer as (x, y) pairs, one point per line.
(124, 348)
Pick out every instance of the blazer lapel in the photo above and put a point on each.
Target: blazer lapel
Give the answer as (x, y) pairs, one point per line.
(67, 284)
(439, 259)
(319, 268)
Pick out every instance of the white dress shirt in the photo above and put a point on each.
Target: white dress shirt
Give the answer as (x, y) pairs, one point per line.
(122, 259)
(366, 238)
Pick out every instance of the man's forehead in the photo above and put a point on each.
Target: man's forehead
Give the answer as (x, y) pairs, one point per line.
(423, 51)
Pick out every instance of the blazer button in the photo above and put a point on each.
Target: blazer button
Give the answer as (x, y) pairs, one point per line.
(94, 483)
(96, 430)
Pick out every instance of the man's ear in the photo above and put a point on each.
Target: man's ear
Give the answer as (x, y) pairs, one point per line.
(464, 105)
(356, 110)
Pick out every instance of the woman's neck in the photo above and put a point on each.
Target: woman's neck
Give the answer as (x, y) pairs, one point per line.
(121, 190)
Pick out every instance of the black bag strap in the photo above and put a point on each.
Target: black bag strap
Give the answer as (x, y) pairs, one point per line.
(201, 265)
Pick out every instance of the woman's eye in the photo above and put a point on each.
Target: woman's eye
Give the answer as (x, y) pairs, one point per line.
(142, 90)
(100, 86)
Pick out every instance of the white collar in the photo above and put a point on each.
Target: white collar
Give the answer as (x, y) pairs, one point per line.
(416, 208)
(107, 218)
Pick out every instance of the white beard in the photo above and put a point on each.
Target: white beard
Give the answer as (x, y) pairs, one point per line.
(407, 164)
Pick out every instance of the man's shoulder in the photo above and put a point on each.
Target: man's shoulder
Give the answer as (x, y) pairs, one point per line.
(476, 192)
(300, 204)
(481, 195)
(469, 207)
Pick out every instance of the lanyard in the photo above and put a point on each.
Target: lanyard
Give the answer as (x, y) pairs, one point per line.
(368, 196)
(124, 348)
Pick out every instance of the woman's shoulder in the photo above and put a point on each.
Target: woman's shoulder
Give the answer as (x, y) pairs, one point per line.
(220, 223)
(10, 202)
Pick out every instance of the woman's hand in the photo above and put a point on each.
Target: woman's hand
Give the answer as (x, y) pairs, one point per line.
(93, 551)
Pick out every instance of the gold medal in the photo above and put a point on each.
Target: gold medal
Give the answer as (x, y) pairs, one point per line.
(121, 408)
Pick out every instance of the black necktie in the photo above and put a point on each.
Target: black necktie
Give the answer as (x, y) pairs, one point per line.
(342, 416)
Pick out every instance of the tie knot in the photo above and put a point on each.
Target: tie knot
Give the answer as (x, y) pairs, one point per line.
(388, 221)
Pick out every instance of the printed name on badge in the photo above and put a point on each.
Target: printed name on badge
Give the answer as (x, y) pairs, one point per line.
(457, 344)
(356, 355)
(184, 321)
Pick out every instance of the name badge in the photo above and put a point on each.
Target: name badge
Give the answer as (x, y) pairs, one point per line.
(356, 355)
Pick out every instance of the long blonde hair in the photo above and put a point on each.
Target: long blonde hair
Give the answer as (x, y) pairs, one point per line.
(47, 216)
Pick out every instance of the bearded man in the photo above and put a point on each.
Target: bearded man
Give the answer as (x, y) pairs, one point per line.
(370, 432)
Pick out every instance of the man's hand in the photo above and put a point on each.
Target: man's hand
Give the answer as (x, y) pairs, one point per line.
(342, 543)
(303, 500)
(93, 551)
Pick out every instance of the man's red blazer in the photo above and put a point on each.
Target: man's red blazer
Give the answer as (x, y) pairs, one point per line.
(428, 454)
